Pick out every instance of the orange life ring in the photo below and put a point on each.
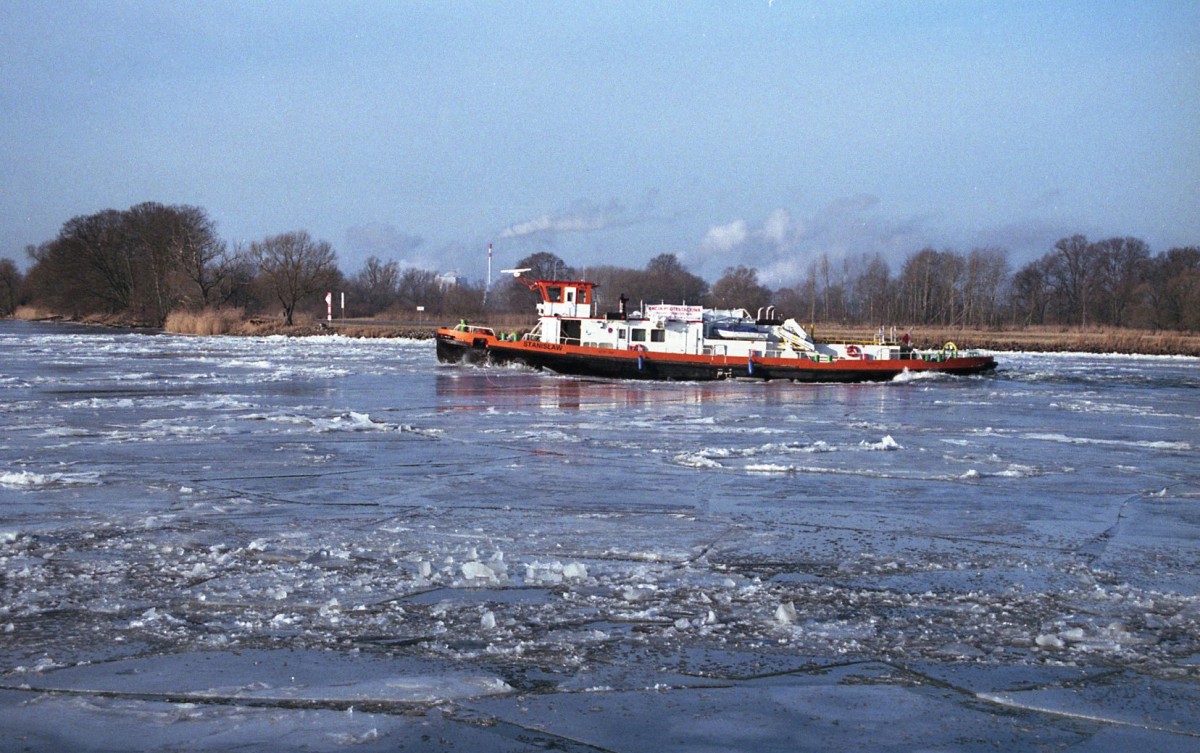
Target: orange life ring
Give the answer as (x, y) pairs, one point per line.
(639, 347)
(853, 351)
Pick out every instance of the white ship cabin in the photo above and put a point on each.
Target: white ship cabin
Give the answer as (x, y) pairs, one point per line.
(565, 311)
(564, 298)
(566, 315)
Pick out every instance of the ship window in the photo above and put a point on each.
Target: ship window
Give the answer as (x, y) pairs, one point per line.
(570, 295)
(658, 335)
(554, 294)
(637, 335)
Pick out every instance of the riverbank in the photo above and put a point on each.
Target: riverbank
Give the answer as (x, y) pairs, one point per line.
(1042, 339)
(1031, 339)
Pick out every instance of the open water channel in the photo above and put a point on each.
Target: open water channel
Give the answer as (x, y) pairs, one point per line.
(335, 544)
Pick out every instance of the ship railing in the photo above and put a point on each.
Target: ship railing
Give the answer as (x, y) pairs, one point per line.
(860, 341)
(772, 351)
(535, 333)
(475, 329)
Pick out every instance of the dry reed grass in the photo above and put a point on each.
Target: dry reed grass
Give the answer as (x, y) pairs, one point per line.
(1042, 339)
(1037, 339)
(34, 314)
(208, 321)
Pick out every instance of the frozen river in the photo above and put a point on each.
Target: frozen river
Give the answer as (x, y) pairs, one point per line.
(333, 544)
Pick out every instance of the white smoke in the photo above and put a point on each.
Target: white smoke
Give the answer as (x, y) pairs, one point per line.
(583, 216)
(781, 247)
(725, 238)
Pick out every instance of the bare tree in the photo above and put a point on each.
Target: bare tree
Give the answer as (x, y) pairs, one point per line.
(96, 259)
(987, 272)
(150, 228)
(931, 287)
(612, 282)
(463, 299)
(377, 284)
(515, 296)
(870, 288)
(739, 287)
(10, 283)
(666, 279)
(294, 266)
(201, 254)
(821, 283)
(418, 287)
(1123, 266)
(240, 286)
(1175, 289)
(1074, 276)
(546, 266)
(1031, 292)
(132, 263)
(795, 301)
(918, 286)
(800, 300)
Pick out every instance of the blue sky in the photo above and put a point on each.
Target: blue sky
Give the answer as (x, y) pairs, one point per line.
(758, 133)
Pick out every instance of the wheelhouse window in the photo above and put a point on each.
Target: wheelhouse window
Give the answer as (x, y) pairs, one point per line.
(637, 335)
(658, 335)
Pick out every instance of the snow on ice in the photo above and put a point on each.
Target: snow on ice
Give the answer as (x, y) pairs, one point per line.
(342, 537)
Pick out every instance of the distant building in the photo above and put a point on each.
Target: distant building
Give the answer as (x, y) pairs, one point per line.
(449, 280)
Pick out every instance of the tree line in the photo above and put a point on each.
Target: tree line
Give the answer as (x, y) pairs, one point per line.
(142, 263)
(1113, 282)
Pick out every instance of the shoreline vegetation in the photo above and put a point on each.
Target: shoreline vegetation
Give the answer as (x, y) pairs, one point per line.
(152, 263)
(1042, 338)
